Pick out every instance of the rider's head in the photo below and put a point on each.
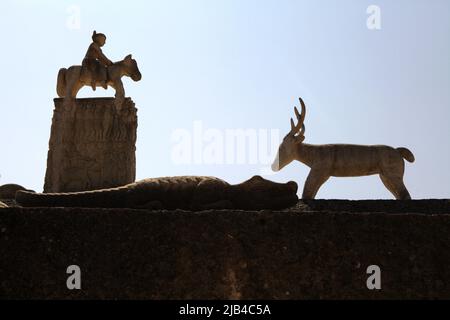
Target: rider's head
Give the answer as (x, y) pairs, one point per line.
(99, 38)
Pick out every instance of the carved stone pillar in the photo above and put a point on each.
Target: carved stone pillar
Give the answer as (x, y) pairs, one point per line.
(92, 145)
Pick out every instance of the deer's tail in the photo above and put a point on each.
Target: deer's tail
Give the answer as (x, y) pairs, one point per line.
(406, 154)
(61, 83)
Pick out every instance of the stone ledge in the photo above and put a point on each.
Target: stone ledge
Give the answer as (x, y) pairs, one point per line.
(292, 254)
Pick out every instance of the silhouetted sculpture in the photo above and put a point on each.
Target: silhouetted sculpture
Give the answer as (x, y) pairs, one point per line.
(342, 160)
(93, 140)
(188, 192)
(97, 69)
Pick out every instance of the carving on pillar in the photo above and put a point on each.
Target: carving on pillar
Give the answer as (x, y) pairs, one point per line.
(92, 145)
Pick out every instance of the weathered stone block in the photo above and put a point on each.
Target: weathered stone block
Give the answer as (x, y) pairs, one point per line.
(317, 250)
(92, 145)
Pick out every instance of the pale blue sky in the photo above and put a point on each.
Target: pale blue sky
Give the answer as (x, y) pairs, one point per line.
(242, 64)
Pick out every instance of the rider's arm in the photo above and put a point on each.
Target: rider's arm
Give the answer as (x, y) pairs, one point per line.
(103, 59)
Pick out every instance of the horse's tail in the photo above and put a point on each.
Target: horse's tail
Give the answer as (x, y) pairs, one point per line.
(61, 83)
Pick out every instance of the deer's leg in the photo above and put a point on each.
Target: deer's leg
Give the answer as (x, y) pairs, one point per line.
(396, 186)
(313, 183)
(403, 192)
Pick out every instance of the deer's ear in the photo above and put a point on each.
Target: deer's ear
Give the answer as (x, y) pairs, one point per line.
(128, 57)
(300, 139)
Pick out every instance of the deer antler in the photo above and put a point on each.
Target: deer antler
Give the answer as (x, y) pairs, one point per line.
(300, 127)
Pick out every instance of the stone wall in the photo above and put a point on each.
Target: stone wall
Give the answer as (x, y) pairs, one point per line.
(92, 145)
(318, 250)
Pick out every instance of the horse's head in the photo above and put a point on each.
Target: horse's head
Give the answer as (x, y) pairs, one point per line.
(131, 68)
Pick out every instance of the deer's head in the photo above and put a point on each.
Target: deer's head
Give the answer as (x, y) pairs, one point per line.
(288, 149)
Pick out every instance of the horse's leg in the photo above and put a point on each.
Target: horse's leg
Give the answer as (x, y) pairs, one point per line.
(104, 78)
(74, 84)
(69, 96)
(76, 87)
(69, 88)
(120, 93)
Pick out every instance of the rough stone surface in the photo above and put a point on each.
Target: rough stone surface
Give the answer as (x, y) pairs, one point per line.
(318, 249)
(92, 145)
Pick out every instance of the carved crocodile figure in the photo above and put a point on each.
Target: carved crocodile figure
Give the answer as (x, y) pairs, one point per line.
(185, 192)
(8, 191)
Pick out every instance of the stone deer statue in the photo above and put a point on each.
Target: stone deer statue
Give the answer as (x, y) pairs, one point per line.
(342, 160)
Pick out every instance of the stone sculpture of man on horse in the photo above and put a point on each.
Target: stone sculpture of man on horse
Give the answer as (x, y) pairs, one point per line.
(97, 69)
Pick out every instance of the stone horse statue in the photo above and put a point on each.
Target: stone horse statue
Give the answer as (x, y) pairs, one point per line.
(71, 80)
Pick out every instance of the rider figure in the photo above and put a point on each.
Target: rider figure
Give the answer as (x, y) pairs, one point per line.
(95, 60)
